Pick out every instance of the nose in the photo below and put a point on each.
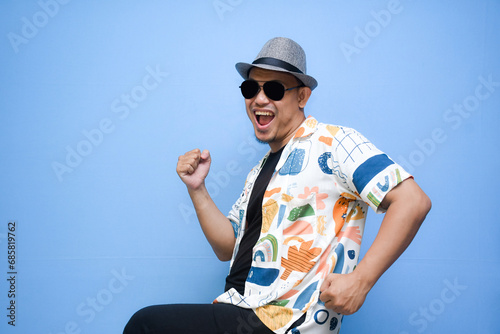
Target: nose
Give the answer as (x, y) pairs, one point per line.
(261, 97)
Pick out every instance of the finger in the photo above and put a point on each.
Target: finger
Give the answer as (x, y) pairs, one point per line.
(193, 155)
(205, 155)
(195, 151)
(327, 282)
(190, 169)
(188, 163)
(330, 304)
(324, 297)
(325, 285)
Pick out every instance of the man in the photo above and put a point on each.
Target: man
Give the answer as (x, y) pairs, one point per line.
(293, 236)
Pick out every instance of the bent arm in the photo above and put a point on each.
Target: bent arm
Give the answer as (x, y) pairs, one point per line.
(193, 168)
(216, 227)
(407, 206)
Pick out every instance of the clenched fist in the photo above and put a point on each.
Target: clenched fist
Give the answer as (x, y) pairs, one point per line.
(343, 293)
(193, 168)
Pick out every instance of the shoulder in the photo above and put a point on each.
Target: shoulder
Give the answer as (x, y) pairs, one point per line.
(339, 136)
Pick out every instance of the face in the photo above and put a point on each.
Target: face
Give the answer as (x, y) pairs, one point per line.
(275, 122)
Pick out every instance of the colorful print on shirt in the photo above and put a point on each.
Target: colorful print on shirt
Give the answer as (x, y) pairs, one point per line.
(313, 218)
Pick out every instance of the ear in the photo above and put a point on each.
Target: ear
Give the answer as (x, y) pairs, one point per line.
(303, 96)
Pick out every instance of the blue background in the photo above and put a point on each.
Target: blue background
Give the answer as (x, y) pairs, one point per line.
(109, 228)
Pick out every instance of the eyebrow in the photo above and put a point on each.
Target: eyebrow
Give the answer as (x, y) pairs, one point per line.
(281, 82)
(297, 81)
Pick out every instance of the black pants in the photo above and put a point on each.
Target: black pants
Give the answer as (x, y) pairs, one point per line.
(195, 318)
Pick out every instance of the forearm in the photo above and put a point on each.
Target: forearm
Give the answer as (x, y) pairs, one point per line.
(403, 218)
(215, 225)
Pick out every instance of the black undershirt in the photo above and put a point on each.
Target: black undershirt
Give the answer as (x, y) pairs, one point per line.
(243, 260)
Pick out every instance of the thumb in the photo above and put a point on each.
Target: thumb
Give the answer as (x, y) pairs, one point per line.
(205, 155)
(326, 284)
(329, 280)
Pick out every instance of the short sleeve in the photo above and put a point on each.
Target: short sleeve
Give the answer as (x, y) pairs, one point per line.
(371, 173)
(235, 215)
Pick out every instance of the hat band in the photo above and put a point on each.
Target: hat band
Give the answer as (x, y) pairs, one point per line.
(278, 63)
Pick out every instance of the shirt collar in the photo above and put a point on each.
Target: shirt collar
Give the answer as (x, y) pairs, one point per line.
(306, 129)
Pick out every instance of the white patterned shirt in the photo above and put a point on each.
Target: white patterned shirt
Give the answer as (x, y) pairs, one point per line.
(313, 216)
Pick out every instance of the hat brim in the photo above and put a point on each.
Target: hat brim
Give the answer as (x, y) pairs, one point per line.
(244, 68)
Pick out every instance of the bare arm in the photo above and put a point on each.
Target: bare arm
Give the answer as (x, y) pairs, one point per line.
(407, 205)
(193, 168)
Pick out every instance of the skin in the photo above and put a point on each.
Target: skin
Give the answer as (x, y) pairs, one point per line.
(193, 168)
(406, 205)
(288, 112)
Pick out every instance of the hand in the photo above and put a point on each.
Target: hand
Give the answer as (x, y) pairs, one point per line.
(193, 168)
(343, 293)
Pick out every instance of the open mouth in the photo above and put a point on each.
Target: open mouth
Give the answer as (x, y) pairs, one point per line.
(264, 117)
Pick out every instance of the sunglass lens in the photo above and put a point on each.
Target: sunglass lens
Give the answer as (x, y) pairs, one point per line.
(249, 88)
(274, 90)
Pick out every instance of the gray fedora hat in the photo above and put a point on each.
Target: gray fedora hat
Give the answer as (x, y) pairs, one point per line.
(280, 54)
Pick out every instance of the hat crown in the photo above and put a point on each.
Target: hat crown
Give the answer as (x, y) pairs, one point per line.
(286, 50)
(283, 55)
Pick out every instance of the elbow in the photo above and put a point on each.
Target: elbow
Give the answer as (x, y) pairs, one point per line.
(426, 203)
(224, 254)
(421, 202)
(223, 257)
(425, 206)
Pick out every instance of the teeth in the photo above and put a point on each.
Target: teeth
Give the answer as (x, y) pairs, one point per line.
(264, 113)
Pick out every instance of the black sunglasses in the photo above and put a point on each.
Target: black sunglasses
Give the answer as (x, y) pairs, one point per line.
(273, 89)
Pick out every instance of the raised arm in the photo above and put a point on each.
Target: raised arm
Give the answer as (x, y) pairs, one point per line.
(407, 206)
(193, 168)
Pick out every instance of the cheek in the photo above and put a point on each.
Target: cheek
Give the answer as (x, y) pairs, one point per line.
(247, 108)
(290, 111)
(250, 117)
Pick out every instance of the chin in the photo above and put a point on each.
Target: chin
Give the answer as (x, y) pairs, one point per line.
(262, 138)
(261, 141)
